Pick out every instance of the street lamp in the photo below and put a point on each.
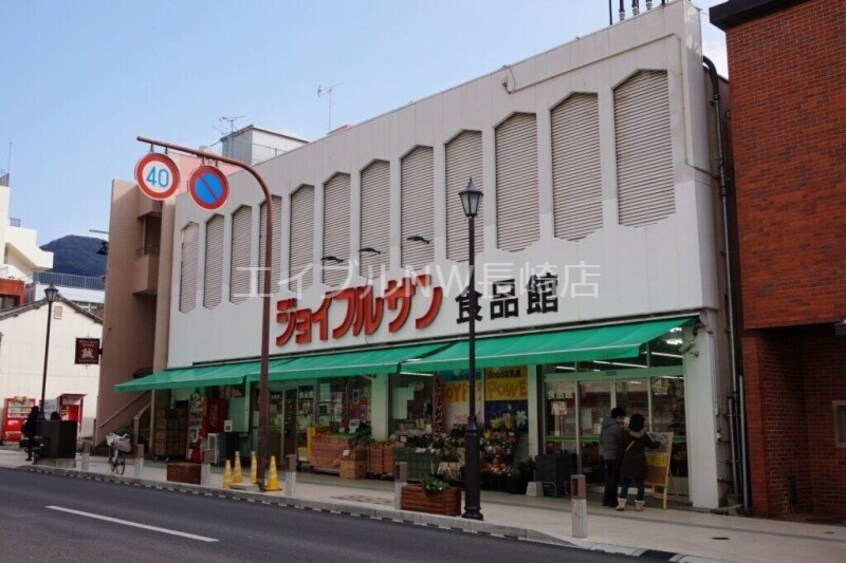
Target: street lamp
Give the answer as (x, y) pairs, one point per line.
(50, 294)
(471, 198)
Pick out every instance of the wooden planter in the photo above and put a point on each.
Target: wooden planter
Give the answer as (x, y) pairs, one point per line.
(447, 503)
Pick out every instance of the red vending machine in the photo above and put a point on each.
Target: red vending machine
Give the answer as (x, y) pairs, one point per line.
(70, 407)
(15, 410)
(206, 417)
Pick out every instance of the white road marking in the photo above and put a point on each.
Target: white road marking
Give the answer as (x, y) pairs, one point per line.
(133, 524)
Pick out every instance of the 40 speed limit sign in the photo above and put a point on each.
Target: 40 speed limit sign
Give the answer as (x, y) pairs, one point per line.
(157, 176)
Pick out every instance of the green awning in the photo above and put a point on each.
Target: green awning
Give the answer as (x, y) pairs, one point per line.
(340, 364)
(186, 378)
(577, 345)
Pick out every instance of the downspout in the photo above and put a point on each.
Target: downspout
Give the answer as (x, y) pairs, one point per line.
(738, 438)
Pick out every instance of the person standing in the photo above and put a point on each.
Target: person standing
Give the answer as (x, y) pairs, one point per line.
(633, 465)
(611, 449)
(30, 429)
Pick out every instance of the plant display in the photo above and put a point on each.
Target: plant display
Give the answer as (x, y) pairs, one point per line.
(497, 445)
(432, 485)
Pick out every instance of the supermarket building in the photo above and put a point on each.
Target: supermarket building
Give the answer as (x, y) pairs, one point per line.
(597, 252)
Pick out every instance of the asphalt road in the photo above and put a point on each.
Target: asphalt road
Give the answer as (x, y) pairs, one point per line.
(53, 518)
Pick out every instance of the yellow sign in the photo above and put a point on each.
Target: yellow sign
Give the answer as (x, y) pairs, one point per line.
(506, 384)
(459, 391)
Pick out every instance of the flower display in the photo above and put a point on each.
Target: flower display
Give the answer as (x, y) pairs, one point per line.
(497, 445)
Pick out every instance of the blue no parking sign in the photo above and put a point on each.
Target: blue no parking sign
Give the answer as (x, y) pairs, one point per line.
(208, 187)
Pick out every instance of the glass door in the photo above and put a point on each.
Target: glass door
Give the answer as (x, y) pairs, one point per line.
(594, 405)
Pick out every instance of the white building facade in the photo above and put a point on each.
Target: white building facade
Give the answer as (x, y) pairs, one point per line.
(596, 257)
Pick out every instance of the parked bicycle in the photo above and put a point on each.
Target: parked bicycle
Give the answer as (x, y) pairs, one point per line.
(119, 446)
(38, 448)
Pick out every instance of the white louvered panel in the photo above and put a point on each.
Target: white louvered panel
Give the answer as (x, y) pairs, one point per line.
(336, 228)
(644, 149)
(517, 213)
(418, 216)
(188, 278)
(213, 281)
(463, 161)
(576, 167)
(239, 271)
(276, 245)
(375, 218)
(302, 239)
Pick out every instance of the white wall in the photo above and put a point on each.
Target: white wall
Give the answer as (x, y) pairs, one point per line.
(22, 357)
(665, 267)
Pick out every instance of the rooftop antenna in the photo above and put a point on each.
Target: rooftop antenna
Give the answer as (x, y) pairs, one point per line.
(321, 90)
(231, 121)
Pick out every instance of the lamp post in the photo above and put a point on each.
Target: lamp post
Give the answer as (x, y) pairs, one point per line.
(471, 199)
(50, 294)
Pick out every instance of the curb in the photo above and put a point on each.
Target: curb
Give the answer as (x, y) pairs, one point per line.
(374, 513)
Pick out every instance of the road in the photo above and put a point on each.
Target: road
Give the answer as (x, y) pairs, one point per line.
(54, 518)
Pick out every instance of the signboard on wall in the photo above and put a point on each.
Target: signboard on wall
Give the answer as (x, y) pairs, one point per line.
(87, 351)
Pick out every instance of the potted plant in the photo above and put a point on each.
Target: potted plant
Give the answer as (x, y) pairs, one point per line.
(433, 495)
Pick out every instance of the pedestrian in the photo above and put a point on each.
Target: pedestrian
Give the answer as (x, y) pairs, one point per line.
(611, 448)
(55, 416)
(30, 429)
(633, 465)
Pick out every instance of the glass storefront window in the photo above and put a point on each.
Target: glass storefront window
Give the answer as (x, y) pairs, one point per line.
(411, 404)
(560, 401)
(633, 395)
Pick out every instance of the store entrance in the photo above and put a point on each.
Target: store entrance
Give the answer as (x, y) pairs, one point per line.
(289, 429)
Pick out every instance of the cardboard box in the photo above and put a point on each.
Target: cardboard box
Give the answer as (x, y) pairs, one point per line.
(353, 469)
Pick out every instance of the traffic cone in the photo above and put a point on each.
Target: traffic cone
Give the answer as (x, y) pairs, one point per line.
(253, 469)
(272, 478)
(227, 476)
(237, 476)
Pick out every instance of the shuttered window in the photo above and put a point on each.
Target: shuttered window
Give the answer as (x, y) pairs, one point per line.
(188, 268)
(239, 272)
(213, 280)
(375, 218)
(276, 247)
(644, 149)
(417, 196)
(463, 161)
(517, 215)
(576, 167)
(336, 228)
(302, 239)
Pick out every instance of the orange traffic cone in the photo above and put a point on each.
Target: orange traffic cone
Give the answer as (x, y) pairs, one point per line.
(253, 469)
(272, 478)
(227, 476)
(237, 476)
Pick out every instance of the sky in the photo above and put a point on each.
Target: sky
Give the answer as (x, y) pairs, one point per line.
(80, 80)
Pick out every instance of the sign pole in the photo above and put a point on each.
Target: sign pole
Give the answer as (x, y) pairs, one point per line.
(264, 394)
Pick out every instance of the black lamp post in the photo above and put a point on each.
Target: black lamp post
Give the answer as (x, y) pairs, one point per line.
(50, 294)
(471, 199)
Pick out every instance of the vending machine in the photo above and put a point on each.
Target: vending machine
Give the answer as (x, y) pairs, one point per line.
(205, 417)
(15, 411)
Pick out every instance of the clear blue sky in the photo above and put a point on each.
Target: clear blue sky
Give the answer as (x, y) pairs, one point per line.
(80, 80)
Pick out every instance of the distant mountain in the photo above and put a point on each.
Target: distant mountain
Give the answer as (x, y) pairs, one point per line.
(77, 255)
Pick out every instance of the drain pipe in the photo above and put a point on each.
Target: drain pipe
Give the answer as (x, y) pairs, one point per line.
(740, 473)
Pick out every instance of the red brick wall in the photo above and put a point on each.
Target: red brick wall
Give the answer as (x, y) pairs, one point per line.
(825, 381)
(788, 94)
(13, 288)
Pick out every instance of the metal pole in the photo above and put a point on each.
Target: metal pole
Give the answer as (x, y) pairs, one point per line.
(472, 495)
(46, 354)
(264, 394)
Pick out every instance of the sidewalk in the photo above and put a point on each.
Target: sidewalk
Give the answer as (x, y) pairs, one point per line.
(684, 535)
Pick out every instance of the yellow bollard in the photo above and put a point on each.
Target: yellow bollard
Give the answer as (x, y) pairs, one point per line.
(227, 476)
(253, 469)
(237, 476)
(272, 477)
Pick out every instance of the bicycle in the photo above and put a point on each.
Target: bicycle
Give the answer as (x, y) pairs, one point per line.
(37, 448)
(118, 448)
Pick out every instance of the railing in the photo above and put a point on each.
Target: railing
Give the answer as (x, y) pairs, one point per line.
(69, 280)
(147, 251)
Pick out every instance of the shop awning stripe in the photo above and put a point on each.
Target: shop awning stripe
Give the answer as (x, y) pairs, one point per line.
(363, 362)
(186, 378)
(577, 345)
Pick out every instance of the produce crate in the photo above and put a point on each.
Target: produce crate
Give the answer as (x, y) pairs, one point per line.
(353, 469)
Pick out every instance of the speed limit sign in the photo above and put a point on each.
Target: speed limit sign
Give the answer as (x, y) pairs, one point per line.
(157, 176)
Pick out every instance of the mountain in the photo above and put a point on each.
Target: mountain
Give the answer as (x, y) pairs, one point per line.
(77, 255)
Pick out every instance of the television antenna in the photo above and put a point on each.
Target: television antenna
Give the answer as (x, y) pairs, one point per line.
(231, 119)
(327, 91)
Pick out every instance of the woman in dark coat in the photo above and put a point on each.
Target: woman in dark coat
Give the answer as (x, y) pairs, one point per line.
(633, 465)
(30, 429)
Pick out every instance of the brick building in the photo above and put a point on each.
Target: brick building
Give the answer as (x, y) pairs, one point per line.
(788, 116)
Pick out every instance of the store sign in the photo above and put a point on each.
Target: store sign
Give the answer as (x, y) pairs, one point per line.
(507, 384)
(87, 351)
(363, 312)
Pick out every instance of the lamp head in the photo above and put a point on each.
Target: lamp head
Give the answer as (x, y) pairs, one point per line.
(471, 199)
(51, 293)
